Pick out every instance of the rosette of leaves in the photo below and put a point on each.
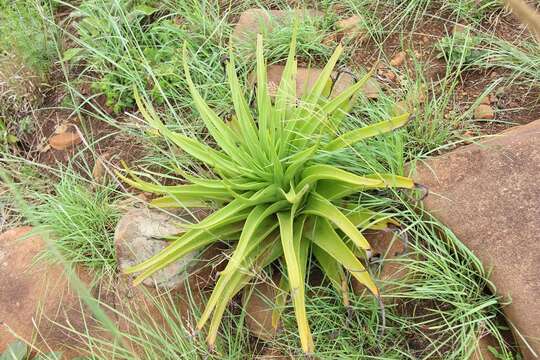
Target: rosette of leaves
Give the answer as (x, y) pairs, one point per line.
(277, 202)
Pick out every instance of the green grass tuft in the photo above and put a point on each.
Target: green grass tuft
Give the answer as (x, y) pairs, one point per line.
(81, 222)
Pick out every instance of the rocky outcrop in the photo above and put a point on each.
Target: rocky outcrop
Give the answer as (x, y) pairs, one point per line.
(488, 194)
(36, 299)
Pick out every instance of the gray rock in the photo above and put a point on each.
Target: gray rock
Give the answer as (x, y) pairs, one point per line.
(138, 237)
(488, 194)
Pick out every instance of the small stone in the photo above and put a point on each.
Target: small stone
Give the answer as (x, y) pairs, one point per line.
(390, 75)
(400, 107)
(350, 27)
(61, 128)
(372, 89)
(398, 59)
(64, 140)
(98, 171)
(459, 28)
(343, 81)
(259, 310)
(485, 100)
(484, 111)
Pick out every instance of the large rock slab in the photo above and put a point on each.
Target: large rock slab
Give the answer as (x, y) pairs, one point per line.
(39, 305)
(36, 299)
(488, 194)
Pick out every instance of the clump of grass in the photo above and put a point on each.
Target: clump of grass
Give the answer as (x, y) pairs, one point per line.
(461, 48)
(520, 59)
(81, 222)
(26, 32)
(472, 10)
(314, 41)
(124, 46)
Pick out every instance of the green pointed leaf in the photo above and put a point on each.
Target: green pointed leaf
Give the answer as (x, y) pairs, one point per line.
(354, 136)
(264, 103)
(249, 137)
(296, 279)
(17, 350)
(188, 192)
(333, 270)
(297, 161)
(204, 153)
(256, 260)
(318, 172)
(368, 219)
(334, 190)
(257, 229)
(325, 237)
(223, 135)
(317, 205)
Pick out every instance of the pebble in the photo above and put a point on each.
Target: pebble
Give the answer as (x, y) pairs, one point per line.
(98, 171)
(64, 140)
(398, 59)
(400, 107)
(371, 89)
(484, 111)
(350, 27)
(390, 75)
(485, 100)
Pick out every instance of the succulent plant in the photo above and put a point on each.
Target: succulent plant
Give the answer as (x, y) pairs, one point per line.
(277, 201)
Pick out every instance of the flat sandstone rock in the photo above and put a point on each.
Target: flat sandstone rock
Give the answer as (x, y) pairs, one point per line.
(36, 300)
(489, 196)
